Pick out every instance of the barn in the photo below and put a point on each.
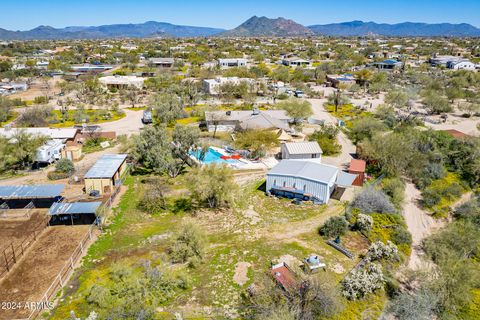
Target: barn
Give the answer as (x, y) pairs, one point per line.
(74, 213)
(306, 180)
(38, 196)
(105, 175)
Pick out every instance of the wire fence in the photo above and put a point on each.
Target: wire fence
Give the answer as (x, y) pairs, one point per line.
(66, 272)
(11, 253)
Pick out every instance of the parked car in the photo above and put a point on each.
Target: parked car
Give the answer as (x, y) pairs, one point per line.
(298, 93)
(147, 117)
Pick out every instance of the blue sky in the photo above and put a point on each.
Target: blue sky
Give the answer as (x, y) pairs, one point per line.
(27, 14)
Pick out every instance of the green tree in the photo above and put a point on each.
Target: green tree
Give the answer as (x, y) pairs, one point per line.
(334, 227)
(167, 107)
(212, 185)
(298, 109)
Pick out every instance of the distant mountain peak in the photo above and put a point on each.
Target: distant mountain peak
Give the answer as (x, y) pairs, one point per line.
(266, 27)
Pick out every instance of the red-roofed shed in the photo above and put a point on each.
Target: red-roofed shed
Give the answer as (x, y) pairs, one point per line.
(284, 276)
(357, 167)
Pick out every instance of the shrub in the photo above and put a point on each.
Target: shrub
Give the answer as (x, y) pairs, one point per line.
(334, 227)
(379, 250)
(363, 281)
(364, 223)
(65, 166)
(401, 236)
(371, 200)
(326, 137)
(189, 244)
(394, 188)
(153, 200)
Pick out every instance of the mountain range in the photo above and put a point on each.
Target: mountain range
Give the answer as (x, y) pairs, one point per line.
(141, 30)
(253, 27)
(360, 28)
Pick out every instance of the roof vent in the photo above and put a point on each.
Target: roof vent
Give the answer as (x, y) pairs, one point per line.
(256, 111)
(229, 113)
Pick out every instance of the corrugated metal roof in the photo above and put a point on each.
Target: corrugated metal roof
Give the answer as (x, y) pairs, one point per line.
(53, 133)
(39, 191)
(307, 147)
(74, 208)
(357, 165)
(345, 179)
(305, 169)
(106, 166)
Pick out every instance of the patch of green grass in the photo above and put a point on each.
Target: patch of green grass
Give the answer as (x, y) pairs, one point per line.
(12, 116)
(95, 116)
(347, 113)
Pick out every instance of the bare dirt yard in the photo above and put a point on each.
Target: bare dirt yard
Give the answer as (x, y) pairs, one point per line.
(35, 272)
(15, 230)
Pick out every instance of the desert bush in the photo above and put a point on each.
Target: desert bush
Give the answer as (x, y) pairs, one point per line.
(379, 250)
(212, 186)
(35, 117)
(371, 200)
(394, 188)
(334, 227)
(414, 306)
(153, 200)
(363, 281)
(326, 137)
(400, 236)
(189, 245)
(364, 223)
(65, 166)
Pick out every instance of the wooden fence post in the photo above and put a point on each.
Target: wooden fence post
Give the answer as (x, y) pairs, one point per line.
(13, 252)
(6, 260)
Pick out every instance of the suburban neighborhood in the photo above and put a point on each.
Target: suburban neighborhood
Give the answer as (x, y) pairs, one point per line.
(273, 170)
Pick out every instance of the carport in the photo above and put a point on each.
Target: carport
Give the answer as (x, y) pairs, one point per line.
(39, 195)
(73, 213)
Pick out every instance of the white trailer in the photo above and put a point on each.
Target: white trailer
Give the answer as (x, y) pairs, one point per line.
(50, 151)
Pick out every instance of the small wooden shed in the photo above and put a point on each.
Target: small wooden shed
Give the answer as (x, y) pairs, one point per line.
(357, 167)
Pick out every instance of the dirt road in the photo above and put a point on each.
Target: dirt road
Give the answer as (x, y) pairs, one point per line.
(419, 223)
(348, 148)
(130, 124)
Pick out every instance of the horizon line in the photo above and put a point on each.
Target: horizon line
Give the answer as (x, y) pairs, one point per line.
(212, 27)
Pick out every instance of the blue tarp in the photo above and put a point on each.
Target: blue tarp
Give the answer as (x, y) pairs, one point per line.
(39, 191)
(74, 208)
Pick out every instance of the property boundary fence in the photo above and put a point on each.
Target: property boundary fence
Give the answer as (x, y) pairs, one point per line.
(5, 210)
(11, 253)
(66, 272)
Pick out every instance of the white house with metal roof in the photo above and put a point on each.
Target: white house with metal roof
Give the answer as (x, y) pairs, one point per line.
(306, 180)
(301, 150)
(105, 175)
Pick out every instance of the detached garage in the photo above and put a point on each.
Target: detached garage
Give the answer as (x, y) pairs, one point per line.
(306, 180)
